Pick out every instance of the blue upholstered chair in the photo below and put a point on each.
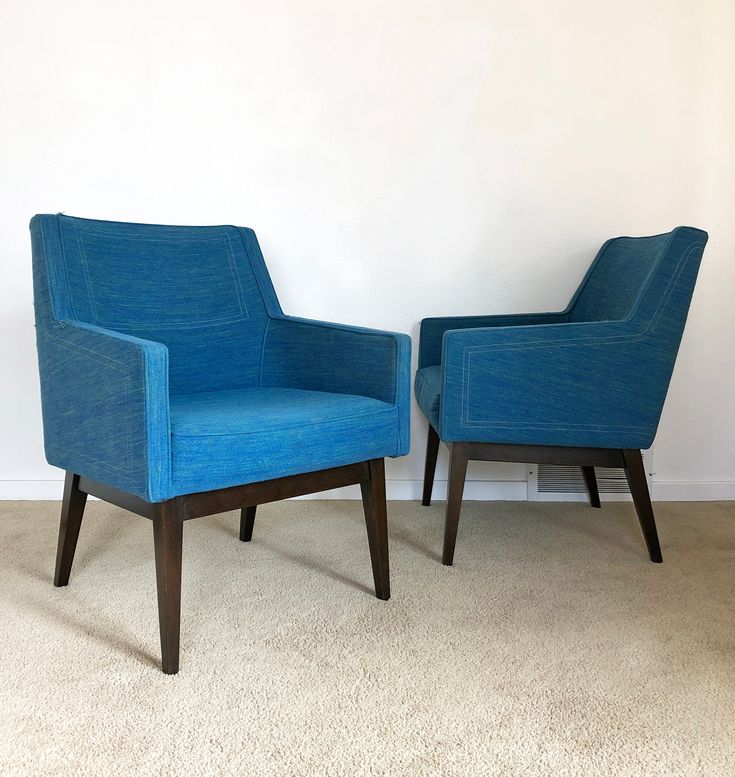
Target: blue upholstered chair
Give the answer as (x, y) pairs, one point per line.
(583, 387)
(173, 385)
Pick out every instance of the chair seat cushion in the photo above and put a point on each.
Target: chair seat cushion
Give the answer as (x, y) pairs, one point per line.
(233, 437)
(428, 393)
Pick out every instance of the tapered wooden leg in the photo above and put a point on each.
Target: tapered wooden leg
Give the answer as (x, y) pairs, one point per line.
(167, 541)
(432, 450)
(247, 521)
(636, 474)
(376, 520)
(72, 510)
(590, 480)
(455, 489)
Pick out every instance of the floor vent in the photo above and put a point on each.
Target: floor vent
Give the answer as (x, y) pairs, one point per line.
(551, 482)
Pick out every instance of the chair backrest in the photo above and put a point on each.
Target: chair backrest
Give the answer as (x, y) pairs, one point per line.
(647, 284)
(629, 270)
(202, 291)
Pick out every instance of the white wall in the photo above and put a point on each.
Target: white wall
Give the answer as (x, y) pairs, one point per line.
(397, 160)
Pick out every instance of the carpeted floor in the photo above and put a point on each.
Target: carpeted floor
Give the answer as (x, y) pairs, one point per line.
(552, 647)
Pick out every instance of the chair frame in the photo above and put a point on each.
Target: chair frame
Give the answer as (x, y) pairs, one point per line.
(168, 520)
(631, 460)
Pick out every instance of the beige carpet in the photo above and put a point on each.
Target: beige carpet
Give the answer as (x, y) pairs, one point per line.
(553, 647)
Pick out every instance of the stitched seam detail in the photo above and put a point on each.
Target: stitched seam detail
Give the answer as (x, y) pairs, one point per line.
(200, 323)
(111, 232)
(46, 272)
(262, 350)
(469, 351)
(284, 428)
(341, 328)
(243, 315)
(553, 425)
(125, 327)
(62, 245)
(126, 372)
(236, 277)
(93, 354)
(155, 395)
(87, 278)
(424, 387)
(254, 271)
(635, 337)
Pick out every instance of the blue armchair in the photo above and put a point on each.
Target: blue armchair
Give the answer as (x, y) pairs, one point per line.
(582, 387)
(174, 386)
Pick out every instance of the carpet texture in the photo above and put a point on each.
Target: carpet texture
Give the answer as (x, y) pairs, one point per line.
(552, 647)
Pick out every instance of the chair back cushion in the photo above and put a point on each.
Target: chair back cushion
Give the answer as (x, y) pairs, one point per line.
(646, 284)
(617, 278)
(202, 291)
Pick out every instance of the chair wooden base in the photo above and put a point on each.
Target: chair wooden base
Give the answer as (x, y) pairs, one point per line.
(586, 458)
(168, 520)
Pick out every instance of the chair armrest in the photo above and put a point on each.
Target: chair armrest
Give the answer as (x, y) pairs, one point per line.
(321, 356)
(433, 329)
(106, 406)
(592, 383)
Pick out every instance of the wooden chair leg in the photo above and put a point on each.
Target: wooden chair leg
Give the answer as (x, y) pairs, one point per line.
(247, 521)
(432, 450)
(167, 540)
(455, 489)
(590, 480)
(636, 474)
(376, 520)
(72, 510)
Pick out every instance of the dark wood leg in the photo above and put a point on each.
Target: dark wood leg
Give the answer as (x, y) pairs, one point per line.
(167, 540)
(376, 520)
(455, 488)
(432, 450)
(72, 510)
(590, 480)
(168, 517)
(247, 521)
(636, 474)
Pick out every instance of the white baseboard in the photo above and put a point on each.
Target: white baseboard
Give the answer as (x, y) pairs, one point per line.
(510, 490)
(31, 489)
(693, 491)
(490, 490)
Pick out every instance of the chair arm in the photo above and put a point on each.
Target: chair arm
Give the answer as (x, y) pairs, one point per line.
(106, 406)
(321, 356)
(432, 329)
(592, 384)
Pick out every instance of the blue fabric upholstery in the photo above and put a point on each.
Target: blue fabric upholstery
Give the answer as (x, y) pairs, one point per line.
(247, 434)
(595, 374)
(150, 336)
(428, 387)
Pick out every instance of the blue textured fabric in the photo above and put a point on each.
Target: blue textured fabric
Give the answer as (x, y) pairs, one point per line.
(320, 356)
(133, 321)
(595, 374)
(247, 434)
(428, 387)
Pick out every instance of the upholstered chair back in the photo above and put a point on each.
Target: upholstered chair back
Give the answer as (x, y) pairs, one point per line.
(202, 291)
(646, 284)
(635, 276)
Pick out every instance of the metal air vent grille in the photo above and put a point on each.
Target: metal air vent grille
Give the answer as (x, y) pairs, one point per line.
(551, 481)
